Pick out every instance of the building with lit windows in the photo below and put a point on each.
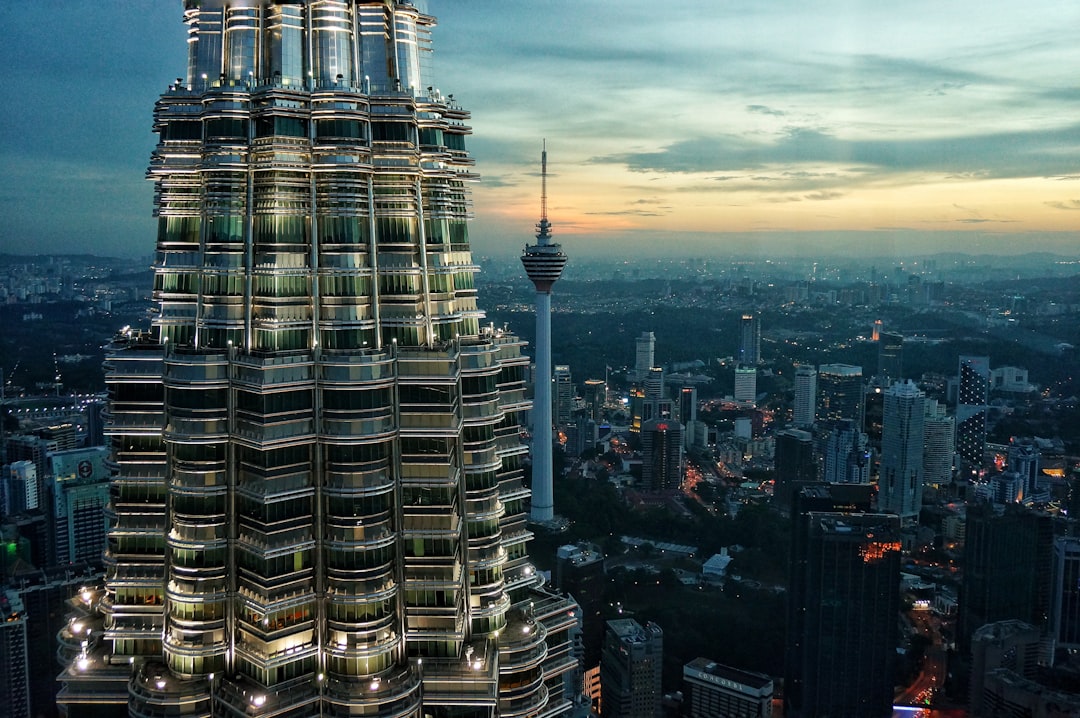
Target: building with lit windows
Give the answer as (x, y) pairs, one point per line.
(745, 384)
(662, 455)
(318, 505)
(840, 393)
(750, 339)
(15, 674)
(939, 444)
(973, 388)
(846, 456)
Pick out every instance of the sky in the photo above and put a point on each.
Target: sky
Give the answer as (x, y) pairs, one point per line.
(706, 126)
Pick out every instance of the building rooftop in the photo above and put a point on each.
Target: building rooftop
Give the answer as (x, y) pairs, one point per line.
(753, 680)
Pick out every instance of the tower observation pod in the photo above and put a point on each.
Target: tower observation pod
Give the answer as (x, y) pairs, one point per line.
(544, 262)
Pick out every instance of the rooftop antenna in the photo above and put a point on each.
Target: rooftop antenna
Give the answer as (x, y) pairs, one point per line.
(543, 226)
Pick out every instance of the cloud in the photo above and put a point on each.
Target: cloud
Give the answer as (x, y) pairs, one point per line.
(765, 110)
(1070, 204)
(1046, 152)
(822, 196)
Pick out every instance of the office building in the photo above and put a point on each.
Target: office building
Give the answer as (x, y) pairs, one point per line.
(1025, 460)
(939, 446)
(562, 384)
(579, 571)
(688, 404)
(793, 463)
(845, 455)
(79, 482)
(844, 598)
(745, 384)
(901, 479)
(840, 392)
(631, 665)
(14, 658)
(805, 396)
(653, 383)
(1008, 558)
(595, 398)
(662, 455)
(890, 357)
(319, 504)
(749, 340)
(710, 690)
(22, 490)
(1003, 645)
(973, 387)
(644, 355)
(1065, 593)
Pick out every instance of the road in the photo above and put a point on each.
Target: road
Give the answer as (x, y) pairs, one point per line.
(932, 676)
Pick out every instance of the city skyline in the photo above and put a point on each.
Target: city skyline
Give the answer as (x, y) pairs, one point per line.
(742, 128)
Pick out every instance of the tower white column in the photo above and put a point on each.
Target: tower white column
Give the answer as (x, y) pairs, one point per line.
(544, 262)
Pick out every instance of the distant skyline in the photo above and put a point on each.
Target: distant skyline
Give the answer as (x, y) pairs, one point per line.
(700, 127)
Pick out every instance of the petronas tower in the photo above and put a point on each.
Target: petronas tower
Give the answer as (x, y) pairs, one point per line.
(318, 506)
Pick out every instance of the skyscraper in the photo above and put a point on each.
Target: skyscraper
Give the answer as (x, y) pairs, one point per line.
(662, 455)
(840, 392)
(845, 594)
(750, 339)
(319, 504)
(745, 383)
(563, 395)
(846, 454)
(15, 675)
(805, 396)
(631, 664)
(939, 444)
(645, 355)
(973, 387)
(891, 356)
(901, 481)
(1065, 593)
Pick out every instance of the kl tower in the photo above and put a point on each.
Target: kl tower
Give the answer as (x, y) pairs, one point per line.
(544, 262)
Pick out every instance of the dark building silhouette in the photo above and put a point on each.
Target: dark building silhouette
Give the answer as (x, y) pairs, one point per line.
(750, 339)
(630, 669)
(840, 392)
(819, 513)
(662, 455)
(1007, 558)
(891, 356)
(793, 462)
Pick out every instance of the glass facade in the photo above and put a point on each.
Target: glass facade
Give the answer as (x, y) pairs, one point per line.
(319, 504)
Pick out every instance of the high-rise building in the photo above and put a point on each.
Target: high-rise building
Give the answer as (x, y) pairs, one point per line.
(750, 339)
(595, 398)
(891, 356)
(1011, 645)
(544, 262)
(631, 664)
(654, 384)
(901, 478)
(745, 384)
(1025, 460)
(1008, 554)
(845, 455)
(21, 487)
(688, 404)
(793, 462)
(662, 455)
(14, 658)
(805, 396)
(79, 482)
(972, 395)
(939, 445)
(840, 392)
(579, 571)
(645, 355)
(1065, 593)
(710, 690)
(843, 599)
(319, 502)
(562, 395)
